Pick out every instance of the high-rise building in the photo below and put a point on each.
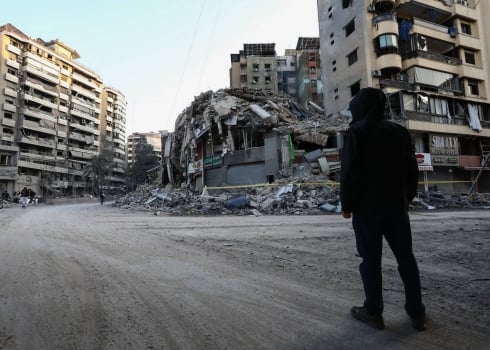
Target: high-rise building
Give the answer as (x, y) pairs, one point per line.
(297, 73)
(431, 58)
(151, 138)
(52, 120)
(254, 67)
(309, 73)
(113, 129)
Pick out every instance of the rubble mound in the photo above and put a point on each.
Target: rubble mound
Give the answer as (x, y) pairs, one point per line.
(312, 195)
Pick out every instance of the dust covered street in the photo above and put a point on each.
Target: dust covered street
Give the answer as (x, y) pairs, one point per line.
(85, 276)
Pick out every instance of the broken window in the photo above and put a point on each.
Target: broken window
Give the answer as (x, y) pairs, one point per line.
(255, 80)
(466, 28)
(354, 88)
(346, 3)
(422, 103)
(473, 87)
(469, 57)
(267, 67)
(245, 138)
(267, 80)
(255, 67)
(352, 57)
(6, 159)
(349, 28)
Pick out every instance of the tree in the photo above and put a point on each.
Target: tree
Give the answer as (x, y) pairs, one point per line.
(144, 160)
(101, 165)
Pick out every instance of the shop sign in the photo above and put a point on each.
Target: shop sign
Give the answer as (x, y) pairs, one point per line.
(213, 162)
(444, 150)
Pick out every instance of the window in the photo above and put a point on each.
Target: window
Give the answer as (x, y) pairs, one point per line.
(255, 67)
(473, 87)
(267, 67)
(346, 3)
(469, 57)
(355, 88)
(386, 44)
(6, 159)
(466, 28)
(352, 57)
(349, 28)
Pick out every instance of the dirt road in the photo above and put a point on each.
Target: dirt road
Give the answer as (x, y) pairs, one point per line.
(87, 276)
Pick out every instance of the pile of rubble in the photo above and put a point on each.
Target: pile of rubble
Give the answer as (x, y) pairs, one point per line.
(295, 196)
(307, 195)
(306, 186)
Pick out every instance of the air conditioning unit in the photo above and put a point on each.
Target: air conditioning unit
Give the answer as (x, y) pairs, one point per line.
(376, 73)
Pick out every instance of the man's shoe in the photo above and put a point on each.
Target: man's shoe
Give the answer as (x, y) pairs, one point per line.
(362, 314)
(419, 323)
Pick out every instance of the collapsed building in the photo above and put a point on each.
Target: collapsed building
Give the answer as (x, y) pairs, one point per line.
(249, 152)
(235, 137)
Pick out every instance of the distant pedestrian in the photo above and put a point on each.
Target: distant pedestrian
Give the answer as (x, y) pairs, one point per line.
(24, 197)
(375, 193)
(6, 196)
(102, 197)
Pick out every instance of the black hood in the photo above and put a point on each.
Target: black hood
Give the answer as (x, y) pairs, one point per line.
(368, 103)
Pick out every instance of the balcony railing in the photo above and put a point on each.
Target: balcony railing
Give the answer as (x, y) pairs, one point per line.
(432, 56)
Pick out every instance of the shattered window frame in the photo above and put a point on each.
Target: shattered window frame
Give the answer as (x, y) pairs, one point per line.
(246, 138)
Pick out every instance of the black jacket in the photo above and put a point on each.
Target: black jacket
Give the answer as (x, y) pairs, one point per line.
(379, 170)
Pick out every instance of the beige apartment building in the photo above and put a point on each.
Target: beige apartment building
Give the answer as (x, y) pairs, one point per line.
(152, 138)
(431, 58)
(55, 115)
(297, 73)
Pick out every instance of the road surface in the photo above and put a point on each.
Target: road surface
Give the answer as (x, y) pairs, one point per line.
(86, 276)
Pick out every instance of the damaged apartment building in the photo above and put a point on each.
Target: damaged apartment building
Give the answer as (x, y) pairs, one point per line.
(235, 137)
(432, 59)
(56, 116)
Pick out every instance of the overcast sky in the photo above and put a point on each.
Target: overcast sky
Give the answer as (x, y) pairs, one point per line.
(161, 54)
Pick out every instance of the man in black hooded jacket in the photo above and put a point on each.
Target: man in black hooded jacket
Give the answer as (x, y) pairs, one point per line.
(379, 176)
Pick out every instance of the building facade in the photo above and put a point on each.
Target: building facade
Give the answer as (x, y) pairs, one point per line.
(52, 119)
(431, 59)
(309, 73)
(297, 73)
(255, 67)
(152, 138)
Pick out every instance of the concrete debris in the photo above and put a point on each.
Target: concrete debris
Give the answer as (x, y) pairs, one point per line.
(243, 136)
(250, 152)
(314, 195)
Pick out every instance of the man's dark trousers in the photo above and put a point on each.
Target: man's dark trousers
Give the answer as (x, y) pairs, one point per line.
(369, 229)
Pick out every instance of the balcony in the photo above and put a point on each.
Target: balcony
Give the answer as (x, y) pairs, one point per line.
(8, 91)
(9, 107)
(42, 74)
(466, 9)
(51, 103)
(36, 141)
(436, 61)
(391, 62)
(436, 12)
(8, 122)
(12, 78)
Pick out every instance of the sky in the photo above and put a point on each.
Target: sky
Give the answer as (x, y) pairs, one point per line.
(161, 54)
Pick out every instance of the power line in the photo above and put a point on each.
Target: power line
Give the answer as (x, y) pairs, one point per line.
(188, 56)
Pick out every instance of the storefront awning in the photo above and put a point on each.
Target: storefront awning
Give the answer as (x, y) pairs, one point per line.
(426, 168)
